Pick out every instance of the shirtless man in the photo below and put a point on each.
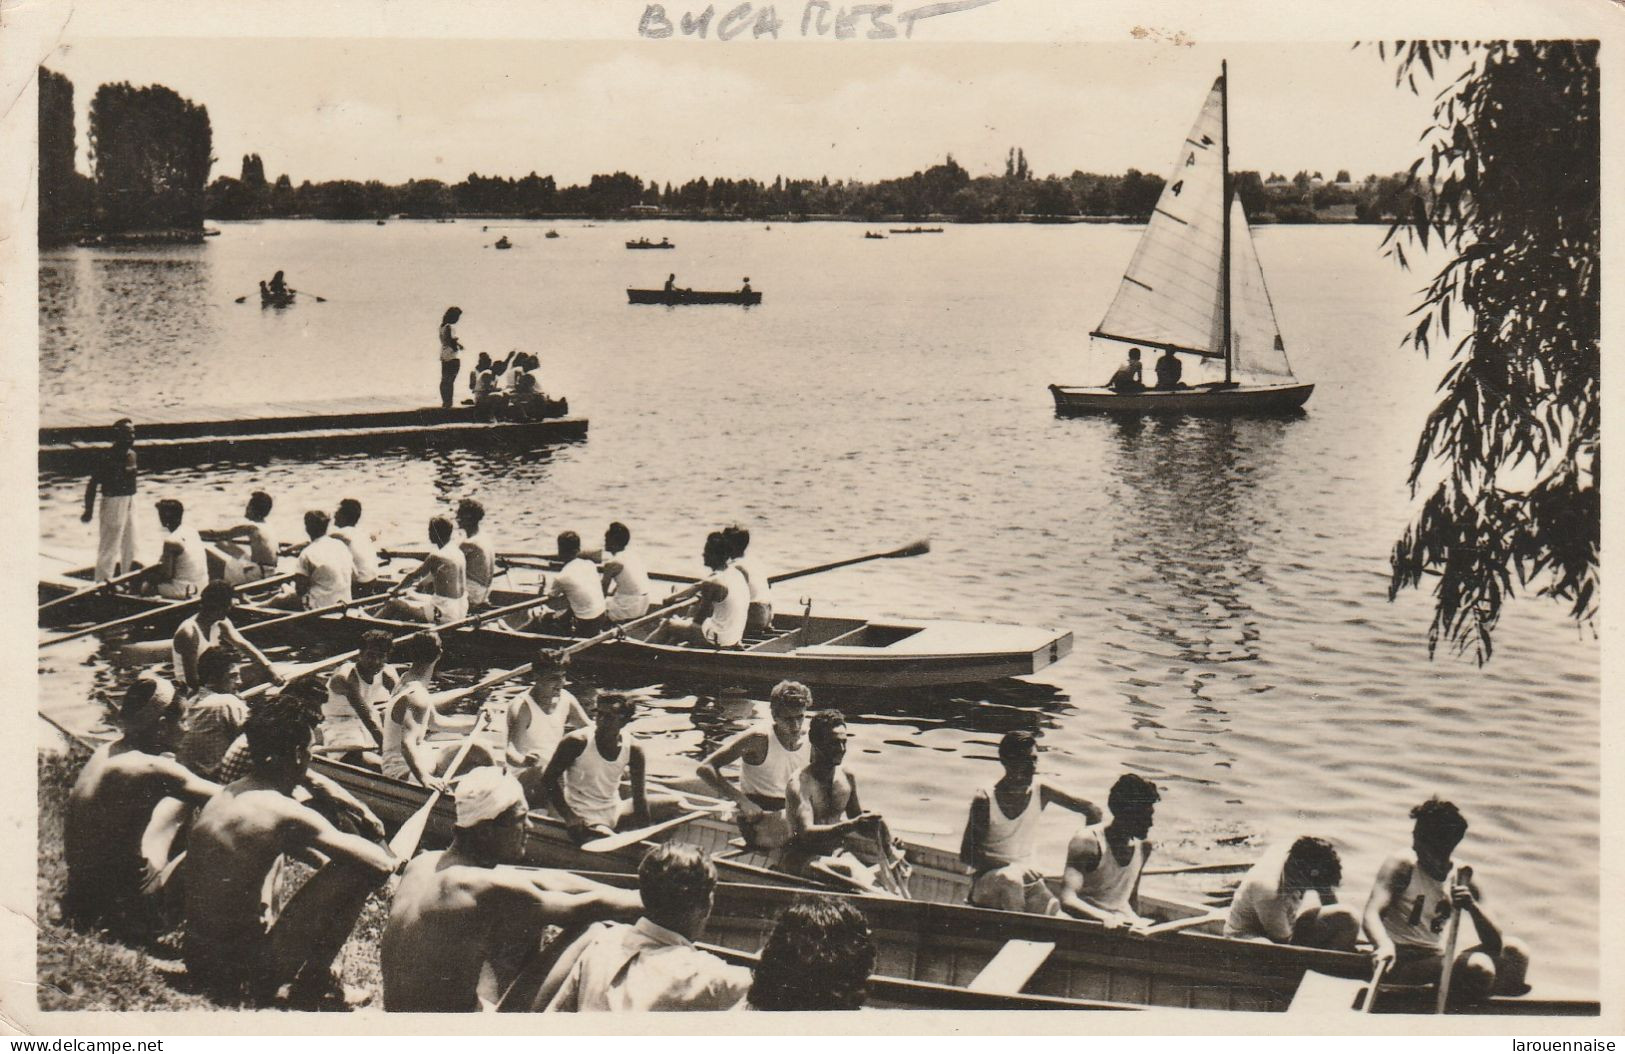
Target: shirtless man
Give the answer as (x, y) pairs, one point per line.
(460, 923)
(582, 781)
(407, 753)
(207, 630)
(1409, 911)
(724, 604)
(215, 717)
(362, 543)
(236, 943)
(583, 611)
(1104, 860)
(479, 557)
(256, 558)
(185, 563)
(1001, 834)
(355, 693)
(111, 881)
(325, 574)
(830, 833)
(759, 617)
(770, 755)
(538, 720)
(1269, 903)
(625, 581)
(445, 570)
(1129, 377)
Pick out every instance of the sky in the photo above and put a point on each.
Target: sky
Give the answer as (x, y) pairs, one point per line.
(672, 110)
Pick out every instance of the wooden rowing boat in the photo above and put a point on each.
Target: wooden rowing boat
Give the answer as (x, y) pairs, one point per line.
(1197, 399)
(692, 296)
(820, 650)
(269, 299)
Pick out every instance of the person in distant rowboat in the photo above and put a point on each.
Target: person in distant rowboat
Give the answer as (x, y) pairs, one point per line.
(185, 563)
(215, 717)
(582, 781)
(355, 693)
(110, 882)
(538, 720)
(584, 609)
(446, 572)
(1409, 911)
(1128, 378)
(1104, 860)
(407, 753)
(362, 543)
(207, 630)
(759, 617)
(830, 833)
(237, 944)
(325, 574)
(1000, 845)
(654, 965)
(671, 283)
(450, 349)
(1268, 905)
(278, 286)
(625, 582)
(259, 559)
(460, 924)
(1169, 370)
(745, 289)
(479, 556)
(770, 755)
(724, 604)
(115, 476)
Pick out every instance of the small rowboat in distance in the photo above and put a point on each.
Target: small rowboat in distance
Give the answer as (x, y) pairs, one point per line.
(916, 230)
(692, 296)
(644, 243)
(269, 299)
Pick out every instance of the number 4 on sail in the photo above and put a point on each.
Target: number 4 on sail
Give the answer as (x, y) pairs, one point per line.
(1195, 288)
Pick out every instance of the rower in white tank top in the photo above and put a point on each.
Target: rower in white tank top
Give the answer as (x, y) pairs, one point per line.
(765, 783)
(629, 596)
(206, 642)
(1417, 918)
(480, 568)
(541, 734)
(341, 725)
(592, 785)
(725, 627)
(393, 755)
(1013, 839)
(1111, 885)
(191, 564)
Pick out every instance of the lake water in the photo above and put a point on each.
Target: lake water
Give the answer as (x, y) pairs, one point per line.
(1225, 579)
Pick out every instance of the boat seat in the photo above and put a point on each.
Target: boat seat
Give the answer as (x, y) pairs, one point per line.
(1008, 972)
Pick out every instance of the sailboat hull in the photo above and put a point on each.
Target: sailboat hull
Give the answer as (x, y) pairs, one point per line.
(1200, 399)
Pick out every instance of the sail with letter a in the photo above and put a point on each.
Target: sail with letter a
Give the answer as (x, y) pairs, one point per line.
(1171, 295)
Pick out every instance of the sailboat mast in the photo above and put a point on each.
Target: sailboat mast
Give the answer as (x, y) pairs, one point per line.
(1224, 160)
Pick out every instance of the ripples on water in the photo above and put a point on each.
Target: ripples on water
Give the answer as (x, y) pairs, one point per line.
(1225, 579)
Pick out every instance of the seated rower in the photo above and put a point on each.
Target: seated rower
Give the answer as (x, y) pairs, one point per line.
(185, 562)
(215, 717)
(1128, 379)
(759, 618)
(460, 924)
(237, 944)
(1104, 860)
(1000, 845)
(671, 283)
(745, 288)
(207, 630)
(479, 556)
(355, 693)
(362, 543)
(325, 573)
(654, 965)
(481, 365)
(1409, 912)
(256, 557)
(582, 781)
(1169, 370)
(111, 882)
(1269, 906)
(770, 754)
(584, 611)
(446, 572)
(279, 287)
(407, 753)
(830, 833)
(724, 606)
(538, 720)
(625, 581)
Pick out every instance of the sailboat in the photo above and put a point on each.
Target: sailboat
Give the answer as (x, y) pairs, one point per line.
(1195, 287)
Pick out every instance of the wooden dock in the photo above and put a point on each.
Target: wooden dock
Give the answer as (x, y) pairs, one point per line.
(70, 440)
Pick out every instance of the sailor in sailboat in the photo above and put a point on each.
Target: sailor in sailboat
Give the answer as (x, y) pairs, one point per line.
(1169, 370)
(1128, 377)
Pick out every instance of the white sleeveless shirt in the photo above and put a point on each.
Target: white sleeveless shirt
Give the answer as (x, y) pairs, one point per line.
(191, 565)
(726, 626)
(206, 642)
(592, 786)
(778, 768)
(1110, 884)
(394, 752)
(341, 725)
(1013, 839)
(542, 734)
(1418, 917)
(631, 596)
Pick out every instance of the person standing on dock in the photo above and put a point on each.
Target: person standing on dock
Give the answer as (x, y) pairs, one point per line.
(362, 543)
(115, 476)
(829, 828)
(260, 559)
(625, 581)
(446, 572)
(185, 562)
(1000, 845)
(325, 574)
(207, 630)
(770, 755)
(450, 349)
(110, 881)
(461, 925)
(759, 616)
(1410, 907)
(1268, 905)
(479, 556)
(1104, 860)
(538, 720)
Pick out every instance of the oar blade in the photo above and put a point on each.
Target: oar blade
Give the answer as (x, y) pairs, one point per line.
(620, 840)
(916, 548)
(406, 840)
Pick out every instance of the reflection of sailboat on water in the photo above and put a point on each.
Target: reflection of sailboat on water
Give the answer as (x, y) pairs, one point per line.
(1195, 287)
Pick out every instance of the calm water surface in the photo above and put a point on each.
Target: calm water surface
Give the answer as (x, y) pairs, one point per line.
(1225, 580)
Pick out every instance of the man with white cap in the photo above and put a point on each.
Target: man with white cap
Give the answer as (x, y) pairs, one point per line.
(460, 923)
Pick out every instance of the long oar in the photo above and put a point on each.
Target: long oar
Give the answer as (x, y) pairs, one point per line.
(149, 650)
(319, 299)
(99, 587)
(1186, 923)
(1225, 868)
(888, 870)
(916, 548)
(620, 840)
(158, 612)
(1463, 875)
(406, 840)
(1371, 993)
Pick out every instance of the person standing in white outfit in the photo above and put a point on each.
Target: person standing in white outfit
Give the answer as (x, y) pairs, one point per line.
(115, 477)
(626, 582)
(450, 349)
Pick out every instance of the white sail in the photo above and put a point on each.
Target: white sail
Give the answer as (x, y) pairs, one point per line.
(1254, 333)
(1171, 294)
